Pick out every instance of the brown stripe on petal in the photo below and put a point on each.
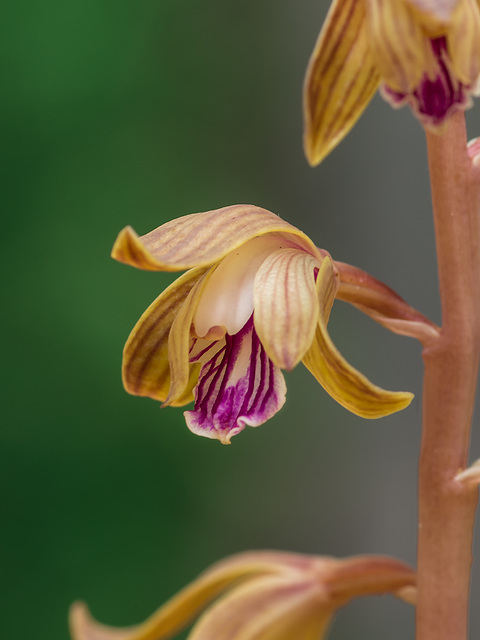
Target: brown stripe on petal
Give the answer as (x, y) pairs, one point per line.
(180, 342)
(359, 94)
(397, 43)
(333, 36)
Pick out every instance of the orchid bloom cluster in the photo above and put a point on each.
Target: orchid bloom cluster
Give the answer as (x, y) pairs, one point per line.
(424, 53)
(262, 595)
(256, 299)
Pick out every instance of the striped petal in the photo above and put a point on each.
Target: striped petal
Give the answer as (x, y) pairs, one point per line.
(400, 48)
(145, 369)
(238, 385)
(345, 384)
(180, 339)
(341, 79)
(202, 239)
(286, 305)
(269, 608)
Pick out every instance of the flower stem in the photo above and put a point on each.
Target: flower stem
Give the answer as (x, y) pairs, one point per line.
(447, 507)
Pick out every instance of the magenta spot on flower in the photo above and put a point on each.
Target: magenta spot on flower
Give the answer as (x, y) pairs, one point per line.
(238, 385)
(435, 98)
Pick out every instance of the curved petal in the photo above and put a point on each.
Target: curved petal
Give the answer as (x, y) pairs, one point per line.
(345, 384)
(238, 385)
(269, 608)
(384, 305)
(179, 342)
(145, 367)
(341, 79)
(286, 305)
(201, 239)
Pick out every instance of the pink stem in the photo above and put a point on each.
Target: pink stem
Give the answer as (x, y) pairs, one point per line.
(446, 507)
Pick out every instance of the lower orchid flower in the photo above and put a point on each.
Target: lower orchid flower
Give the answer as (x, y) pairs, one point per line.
(255, 299)
(262, 595)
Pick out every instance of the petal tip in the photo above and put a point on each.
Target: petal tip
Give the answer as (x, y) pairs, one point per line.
(314, 154)
(388, 403)
(121, 249)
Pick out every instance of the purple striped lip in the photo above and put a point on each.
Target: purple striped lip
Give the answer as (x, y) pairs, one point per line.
(435, 98)
(238, 385)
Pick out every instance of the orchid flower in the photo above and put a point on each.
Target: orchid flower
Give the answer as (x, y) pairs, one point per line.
(262, 595)
(255, 299)
(425, 53)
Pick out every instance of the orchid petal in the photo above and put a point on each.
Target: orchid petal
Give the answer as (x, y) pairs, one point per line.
(145, 368)
(345, 384)
(269, 608)
(286, 305)
(183, 377)
(238, 385)
(341, 79)
(201, 239)
(227, 300)
(464, 42)
(400, 48)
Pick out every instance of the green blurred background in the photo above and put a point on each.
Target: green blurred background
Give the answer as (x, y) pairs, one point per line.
(135, 112)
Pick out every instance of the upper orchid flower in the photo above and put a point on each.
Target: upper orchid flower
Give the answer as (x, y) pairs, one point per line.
(422, 52)
(256, 298)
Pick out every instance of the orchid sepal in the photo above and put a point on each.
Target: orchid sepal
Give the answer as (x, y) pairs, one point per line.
(340, 81)
(346, 385)
(383, 304)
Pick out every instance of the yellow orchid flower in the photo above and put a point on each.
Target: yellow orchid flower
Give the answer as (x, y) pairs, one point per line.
(262, 595)
(425, 53)
(255, 299)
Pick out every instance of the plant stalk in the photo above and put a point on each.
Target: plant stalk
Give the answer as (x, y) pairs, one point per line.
(447, 507)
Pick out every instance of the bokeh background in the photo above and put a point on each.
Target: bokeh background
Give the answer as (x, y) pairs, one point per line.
(120, 112)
